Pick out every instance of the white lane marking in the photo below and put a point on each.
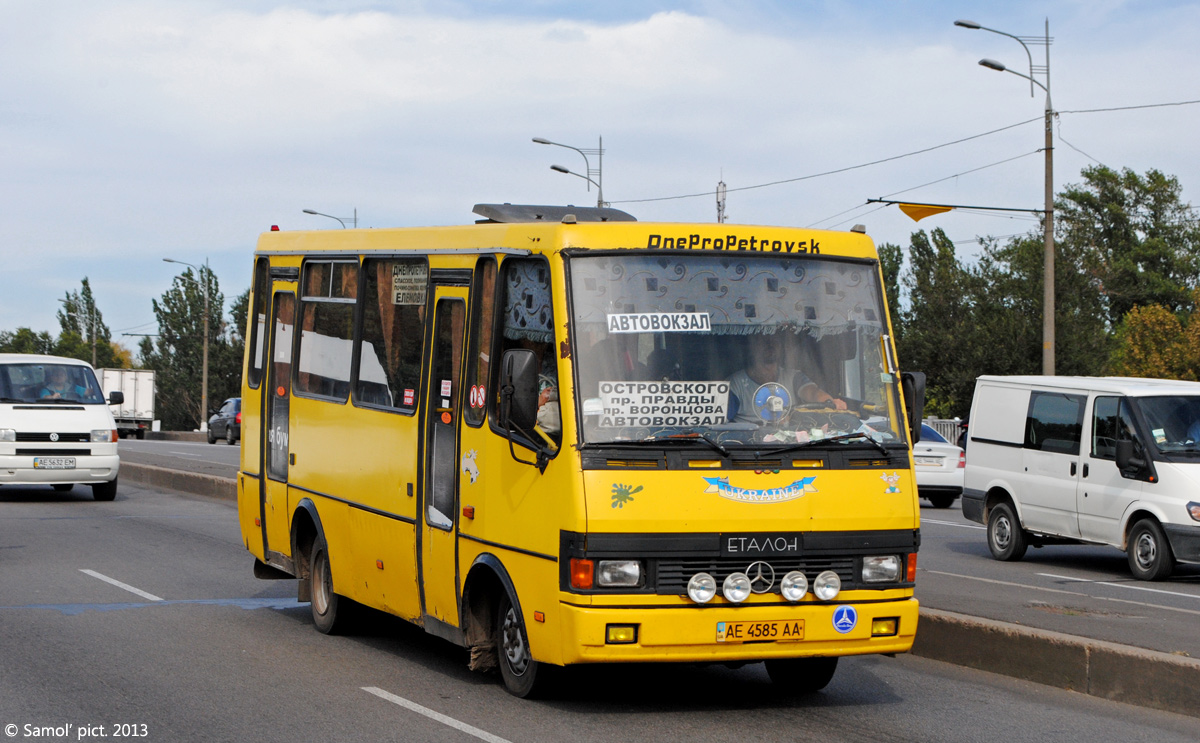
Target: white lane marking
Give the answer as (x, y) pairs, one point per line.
(1119, 585)
(438, 716)
(951, 523)
(119, 584)
(183, 453)
(1059, 590)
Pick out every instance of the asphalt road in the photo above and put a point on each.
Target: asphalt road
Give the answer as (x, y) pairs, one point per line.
(1080, 590)
(143, 612)
(219, 459)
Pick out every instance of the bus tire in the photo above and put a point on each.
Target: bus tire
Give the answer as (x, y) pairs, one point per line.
(327, 606)
(802, 675)
(523, 676)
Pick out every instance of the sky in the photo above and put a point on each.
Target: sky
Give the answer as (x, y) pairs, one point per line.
(132, 131)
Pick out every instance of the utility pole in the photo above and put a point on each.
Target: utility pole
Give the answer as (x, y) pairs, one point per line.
(721, 201)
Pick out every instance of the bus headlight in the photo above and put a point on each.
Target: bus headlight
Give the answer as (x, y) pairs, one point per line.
(701, 588)
(793, 586)
(881, 569)
(827, 586)
(736, 587)
(619, 573)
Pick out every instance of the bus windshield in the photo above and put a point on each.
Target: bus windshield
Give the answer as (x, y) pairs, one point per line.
(763, 351)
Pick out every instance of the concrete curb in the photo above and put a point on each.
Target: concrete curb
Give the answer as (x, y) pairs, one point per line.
(1102, 669)
(210, 486)
(176, 436)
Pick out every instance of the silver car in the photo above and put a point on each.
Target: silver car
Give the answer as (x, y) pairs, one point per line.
(940, 467)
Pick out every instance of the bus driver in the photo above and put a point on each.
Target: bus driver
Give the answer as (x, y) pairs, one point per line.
(763, 367)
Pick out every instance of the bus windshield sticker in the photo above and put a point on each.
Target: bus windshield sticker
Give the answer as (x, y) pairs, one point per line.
(891, 481)
(663, 404)
(660, 322)
(721, 486)
(408, 283)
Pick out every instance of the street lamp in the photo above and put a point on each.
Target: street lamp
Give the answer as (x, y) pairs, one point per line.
(339, 219)
(561, 169)
(597, 173)
(1048, 258)
(204, 368)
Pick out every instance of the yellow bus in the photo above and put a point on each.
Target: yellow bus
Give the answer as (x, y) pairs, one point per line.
(561, 436)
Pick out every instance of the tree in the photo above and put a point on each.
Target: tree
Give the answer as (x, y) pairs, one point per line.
(938, 323)
(83, 334)
(25, 340)
(1155, 342)
(1136, 236)
(177, 354)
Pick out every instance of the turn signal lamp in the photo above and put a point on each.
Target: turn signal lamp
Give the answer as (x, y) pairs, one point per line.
(885, 627)
(582, 573)
(911, 573)
(621, 634)
(1193, 510)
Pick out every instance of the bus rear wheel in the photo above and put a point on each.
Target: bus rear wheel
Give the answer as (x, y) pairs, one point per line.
(523, 676)
(327, 608)
(802, 675)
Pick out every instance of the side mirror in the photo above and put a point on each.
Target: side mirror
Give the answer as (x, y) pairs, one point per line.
(518, 390)
(116, 397)
(1126, 462)
(912, 384)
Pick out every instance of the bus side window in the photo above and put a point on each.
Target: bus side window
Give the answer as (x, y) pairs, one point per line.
(528, 322)
(330, 290)
(389, 350)
(258, 324)
(483, 323)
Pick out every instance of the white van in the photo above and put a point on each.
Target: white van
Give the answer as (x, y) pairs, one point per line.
(55, 425)
(1070, 460)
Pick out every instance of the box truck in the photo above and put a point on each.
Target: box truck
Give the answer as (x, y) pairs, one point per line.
(135, 415)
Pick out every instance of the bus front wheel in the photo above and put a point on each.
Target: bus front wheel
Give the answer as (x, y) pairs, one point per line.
(802, 675)
(325, 603)
(523, 676)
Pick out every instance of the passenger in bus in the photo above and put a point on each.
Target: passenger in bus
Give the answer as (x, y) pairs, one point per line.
(763, 366)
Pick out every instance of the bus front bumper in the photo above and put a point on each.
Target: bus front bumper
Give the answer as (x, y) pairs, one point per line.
(690, 633)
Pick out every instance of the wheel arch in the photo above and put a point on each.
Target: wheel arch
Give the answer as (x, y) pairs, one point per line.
(1135, 513)
(996, 495)
(306, 527)
(486, 582)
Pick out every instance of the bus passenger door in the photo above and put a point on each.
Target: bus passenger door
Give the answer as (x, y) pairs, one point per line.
(274, 502)
(439, 522)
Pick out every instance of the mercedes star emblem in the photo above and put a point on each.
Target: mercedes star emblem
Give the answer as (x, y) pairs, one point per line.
(761, 575)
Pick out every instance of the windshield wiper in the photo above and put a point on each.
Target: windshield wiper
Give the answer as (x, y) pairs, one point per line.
(675, 438)
(814, 442)
(698, 436)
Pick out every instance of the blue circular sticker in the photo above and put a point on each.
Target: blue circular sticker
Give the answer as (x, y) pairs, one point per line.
(772, 401)
(845, 618)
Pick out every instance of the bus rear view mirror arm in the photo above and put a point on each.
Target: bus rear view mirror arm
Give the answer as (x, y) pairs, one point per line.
(518, 402)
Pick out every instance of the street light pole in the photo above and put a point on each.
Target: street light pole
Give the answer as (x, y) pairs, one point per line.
(598, 173)
(339, 219)
(204, 368)
(1048, 303)
(561, 169)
